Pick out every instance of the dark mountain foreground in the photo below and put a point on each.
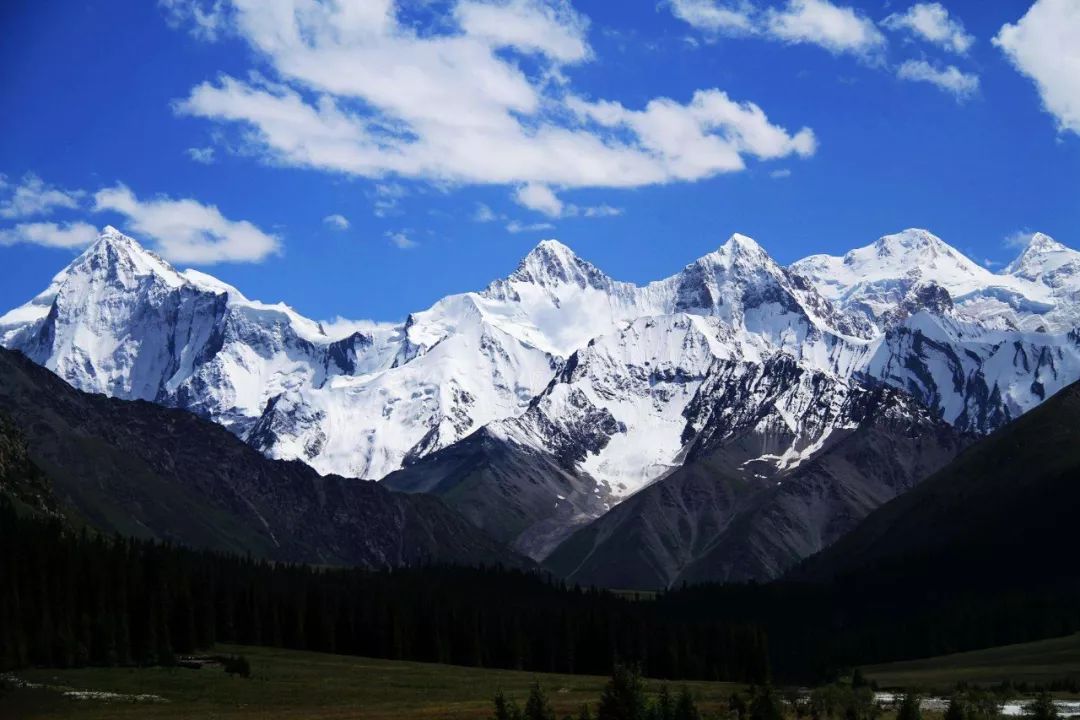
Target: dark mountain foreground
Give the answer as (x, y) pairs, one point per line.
(140, 470)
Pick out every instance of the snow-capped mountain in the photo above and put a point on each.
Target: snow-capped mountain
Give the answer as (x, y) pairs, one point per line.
(1035, 292)
(538, 403)
(557, 351)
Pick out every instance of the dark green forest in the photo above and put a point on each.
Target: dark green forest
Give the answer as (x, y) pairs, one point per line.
(71, 598)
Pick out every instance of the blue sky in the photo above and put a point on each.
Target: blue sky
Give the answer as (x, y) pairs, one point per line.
(451, 136)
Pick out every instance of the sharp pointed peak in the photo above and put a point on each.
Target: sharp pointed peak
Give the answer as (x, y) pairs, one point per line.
(1042, 243)
(737, 247)
(553, 263)
(114, 249)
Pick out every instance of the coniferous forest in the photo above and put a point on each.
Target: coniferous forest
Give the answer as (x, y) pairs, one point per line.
(72, 598)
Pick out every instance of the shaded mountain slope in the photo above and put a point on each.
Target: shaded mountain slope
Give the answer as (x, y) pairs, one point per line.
(711, 521)
(1008, 503)
(139, 469)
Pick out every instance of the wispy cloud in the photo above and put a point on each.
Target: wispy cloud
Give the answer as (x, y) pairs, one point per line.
(33, 197)
(932, 23)
(204, 155)
(836, 28)
(50, 234)
(516, 227)
(950, 78)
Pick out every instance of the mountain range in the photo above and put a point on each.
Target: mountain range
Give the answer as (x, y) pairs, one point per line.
(722, 423)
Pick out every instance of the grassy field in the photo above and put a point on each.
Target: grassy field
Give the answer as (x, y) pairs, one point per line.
(289, 684)
(1036, 662)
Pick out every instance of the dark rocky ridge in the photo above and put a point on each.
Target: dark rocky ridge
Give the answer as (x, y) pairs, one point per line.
(140, 469)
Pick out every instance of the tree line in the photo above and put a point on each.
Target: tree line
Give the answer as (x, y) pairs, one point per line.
(72, 598)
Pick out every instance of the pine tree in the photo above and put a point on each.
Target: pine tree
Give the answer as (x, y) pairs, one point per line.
(537, 706)
(624, 696)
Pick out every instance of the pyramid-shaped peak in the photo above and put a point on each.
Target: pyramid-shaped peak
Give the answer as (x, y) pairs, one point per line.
(1043, 243)
(120, 254)
(552, 263)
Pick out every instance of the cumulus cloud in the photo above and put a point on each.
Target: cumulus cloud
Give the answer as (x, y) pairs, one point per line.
(539, 198)
(931, 22)
(950, 79)
(837, 28)
(735, 18)
(336, 222)
(1043, 46)
(478, 99)
(401, 239)
(32, 196)
(50, 234)
(187, 231)
(204, 155)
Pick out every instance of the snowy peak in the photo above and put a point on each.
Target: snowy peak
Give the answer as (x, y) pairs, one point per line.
(551, 264)
(117, 257)
(1046, 261)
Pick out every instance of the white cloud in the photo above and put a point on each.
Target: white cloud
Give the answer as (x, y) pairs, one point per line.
(516, 227)
(539, 198)
(552, 29)
(50, 234)
(780, 174)
(1045, 46)
(484, 214)
(931, 22)
(401, 239)
(387, 197)
(205, 19)
(204, 155)
(187, 231)
(732, 18)
(951, 79)
(837, 29)
(599, 211)
(32, 196)
(991, 263)
(358, 92)
(336, 222)
(709, 135)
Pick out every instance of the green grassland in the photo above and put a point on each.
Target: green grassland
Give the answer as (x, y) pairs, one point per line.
(313, 686)
(1039, 662)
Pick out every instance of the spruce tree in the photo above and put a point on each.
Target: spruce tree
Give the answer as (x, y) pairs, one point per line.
(624, 696)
